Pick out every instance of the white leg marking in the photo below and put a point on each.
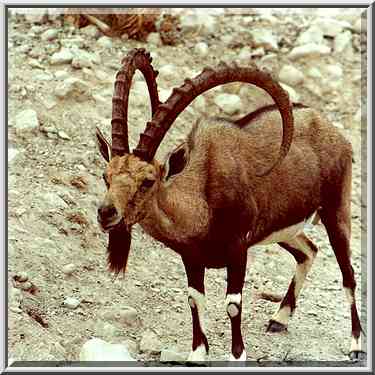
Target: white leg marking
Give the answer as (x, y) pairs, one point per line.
(198, 300)
(241, 358)
(230, 300)
(355, 344)
(199, 354)
(349, 295)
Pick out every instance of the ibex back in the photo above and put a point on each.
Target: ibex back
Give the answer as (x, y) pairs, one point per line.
(228, 187)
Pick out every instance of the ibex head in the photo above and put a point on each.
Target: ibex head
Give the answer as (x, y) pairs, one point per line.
(132, 178)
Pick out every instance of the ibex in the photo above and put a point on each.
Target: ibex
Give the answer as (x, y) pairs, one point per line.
(227, 188)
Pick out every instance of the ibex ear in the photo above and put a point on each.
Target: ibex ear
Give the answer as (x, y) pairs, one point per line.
(104, 147)
(176, 161)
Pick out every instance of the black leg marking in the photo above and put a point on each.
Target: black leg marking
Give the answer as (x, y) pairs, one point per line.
(236, 272)
(195, 275)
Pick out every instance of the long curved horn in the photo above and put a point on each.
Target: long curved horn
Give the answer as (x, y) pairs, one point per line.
(135, 59)
(182, 96)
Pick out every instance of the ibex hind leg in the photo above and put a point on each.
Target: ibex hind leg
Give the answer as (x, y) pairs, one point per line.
(304, 252)
(336, 218)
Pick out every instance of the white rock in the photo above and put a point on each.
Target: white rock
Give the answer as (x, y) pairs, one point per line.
(205, 23)
(313, 88)
(21, 277)
(71, 303)
(169, 355)
(150, 343)
(311, 50)
(290, 75)
(245, 54)
(154, 39)
(334, 71)
(12, 153)
(69, 269)
(83, 59)
(61, 75)
(201, 49)
(312, 35)
(72, 87)
(27, 120)
(26, 285)
(229, 103)
(359, 25)
(90, 30)
(168, 71)
(36, 15)
(99, 350)
(314, 72)
(63, 135)
(64, 56)
(53, 200)
(264, 38)
(104, 42)
(105, 329)
(330, 26)
(293, 95)
(164, 94)
(258, 52)
(200, 103)
(49, 34)
(46, 77)
(342, 41)
(15, 297)
(338, 125)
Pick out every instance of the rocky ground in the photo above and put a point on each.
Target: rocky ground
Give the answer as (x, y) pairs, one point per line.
(60, 86)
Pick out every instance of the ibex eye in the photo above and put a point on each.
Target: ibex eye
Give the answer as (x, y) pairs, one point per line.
(147, 183)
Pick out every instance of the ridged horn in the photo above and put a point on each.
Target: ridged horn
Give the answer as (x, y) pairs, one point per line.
(182, 96)
(135, 59)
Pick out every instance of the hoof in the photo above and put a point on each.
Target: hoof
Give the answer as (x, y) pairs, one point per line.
(357, 355)
(276, 327)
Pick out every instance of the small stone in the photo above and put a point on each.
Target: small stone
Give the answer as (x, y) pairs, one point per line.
(154, 39)
(12, 153)
(150, 343)
(311, 50)
(90, 30)
(229, 103)
(330, 26)
(99, 350)
(168, 71)
(200, 103)
(37, 16)
(45, 77)
(52, 200)
(26, 285)
(71, 303)
(245, 54)
(312, 35)
(72, 87)
(69, 269)
(314, 72)
(27, 120)
(342, 41)
(264, 38)
(205, 23)
(49, 103)
(105, 329)
(201, 49)
(35, 64)
(338, 124)
(294, 96)
(360, 25)
(61, 75)
(170, 355)
(16, 297)
(290, 75)
(105, 42)
(334, 71)
(83, 59)
(64, 56)
(63, 135)
(49, 34)
(21, 277)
